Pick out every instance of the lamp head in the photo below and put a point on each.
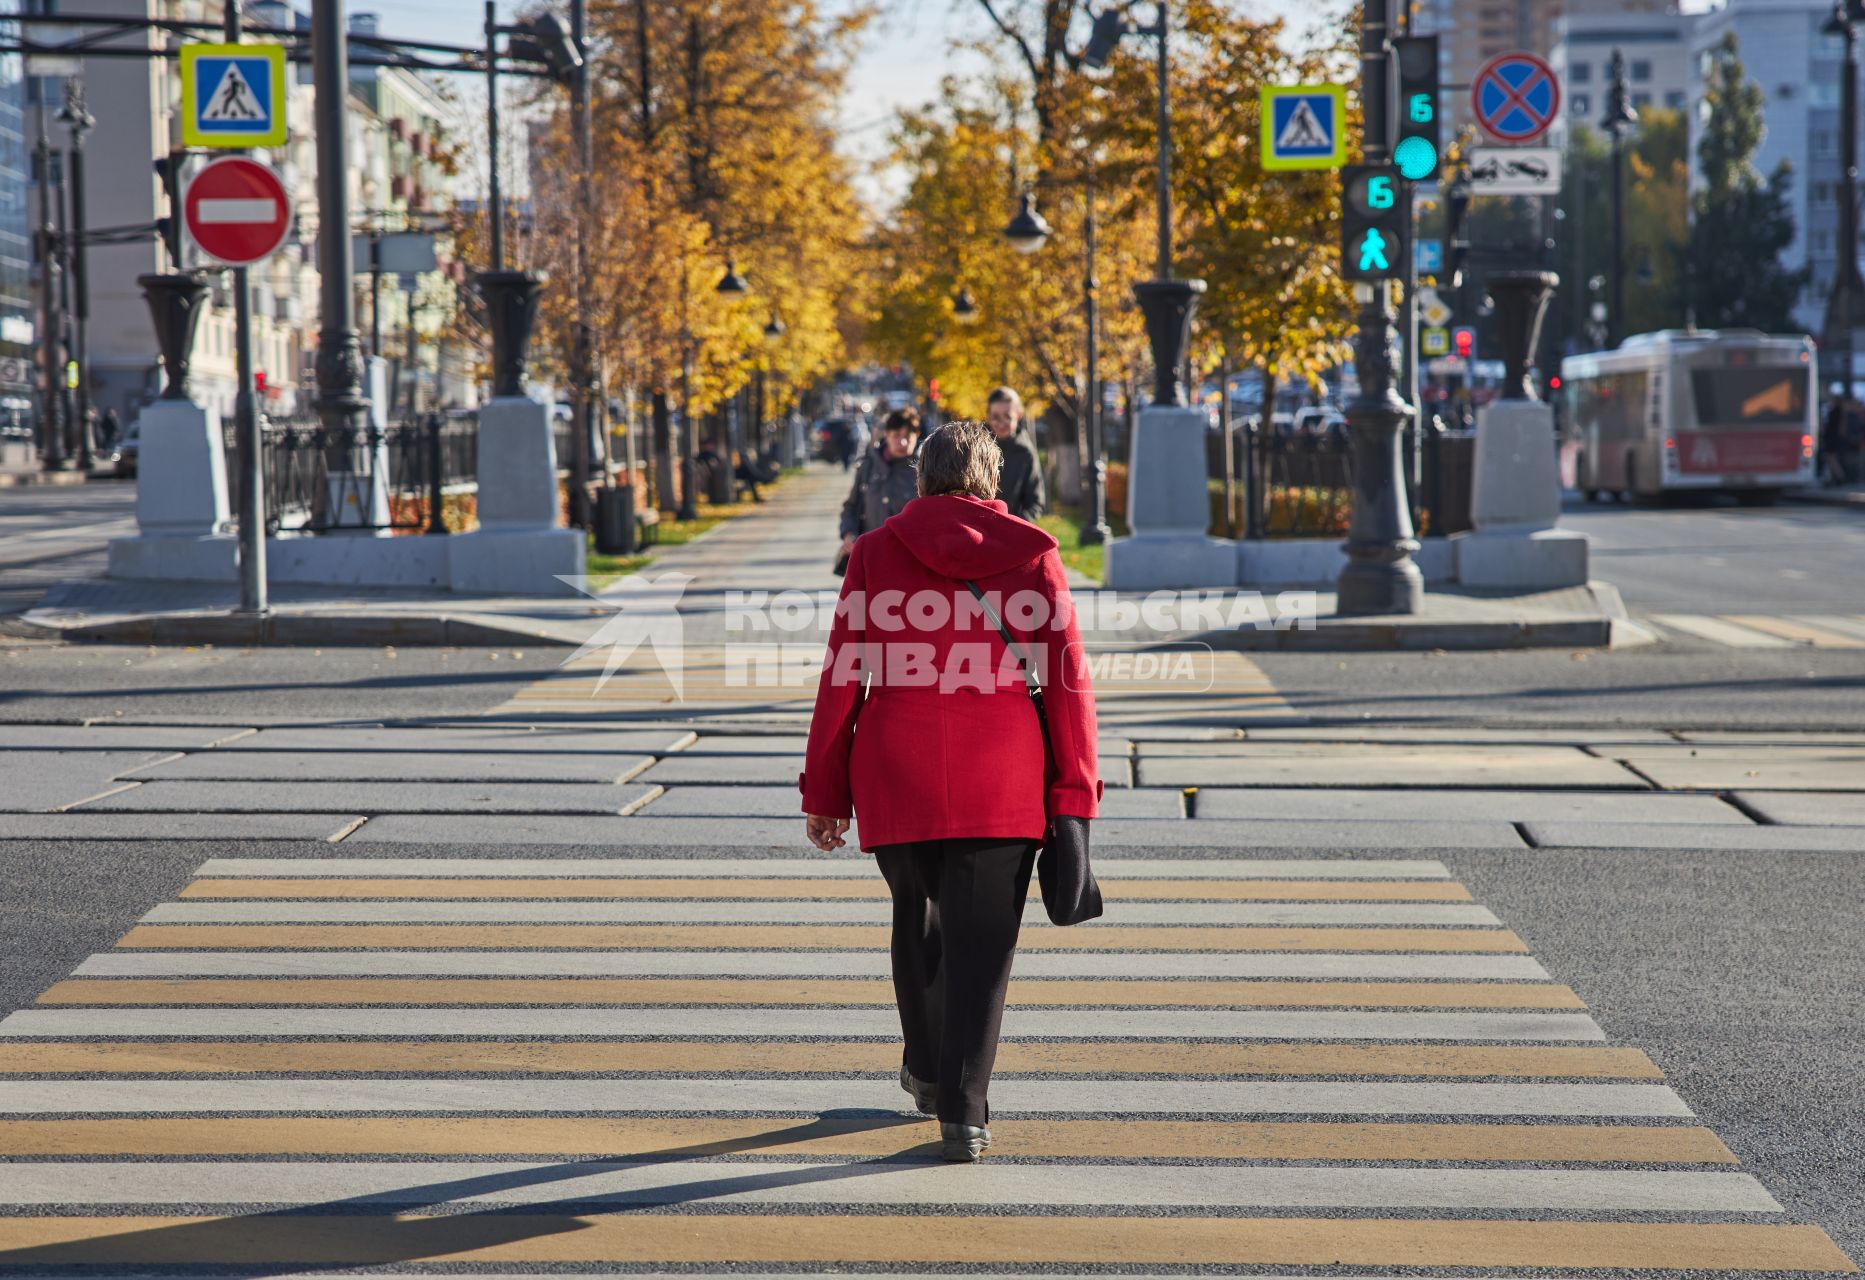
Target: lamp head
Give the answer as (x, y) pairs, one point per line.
(1028, 231)
(1109, 26)
(731, 282)
(964, 310)
(547, 39)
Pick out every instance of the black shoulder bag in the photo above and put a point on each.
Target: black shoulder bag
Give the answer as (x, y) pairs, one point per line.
(1070, 893)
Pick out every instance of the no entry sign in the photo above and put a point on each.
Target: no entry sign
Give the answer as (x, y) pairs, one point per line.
(237, 211)
(1516, 97)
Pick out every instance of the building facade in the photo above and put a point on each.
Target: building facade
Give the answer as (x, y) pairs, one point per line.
(18, 316)
(1657, 46)
(396, 169)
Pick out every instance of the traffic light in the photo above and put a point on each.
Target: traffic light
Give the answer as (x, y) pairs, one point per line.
(1373, 211)
(1418, 142)
(1463, 342)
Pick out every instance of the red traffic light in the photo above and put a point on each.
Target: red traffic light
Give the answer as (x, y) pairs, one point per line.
(1463, 342)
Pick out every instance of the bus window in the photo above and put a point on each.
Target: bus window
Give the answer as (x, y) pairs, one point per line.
(1744, 397)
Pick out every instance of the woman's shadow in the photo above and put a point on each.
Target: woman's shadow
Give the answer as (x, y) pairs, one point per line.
(366, 1231)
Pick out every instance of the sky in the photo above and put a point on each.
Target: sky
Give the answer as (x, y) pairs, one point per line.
(904, 55)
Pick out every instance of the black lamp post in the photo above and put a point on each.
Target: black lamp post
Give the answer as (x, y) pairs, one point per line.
(511, 296)
(340, 400)
(1166, 303)
(1846, 283)
(1620, 117)
(1380, 576)
(52, 456)
(80, 121)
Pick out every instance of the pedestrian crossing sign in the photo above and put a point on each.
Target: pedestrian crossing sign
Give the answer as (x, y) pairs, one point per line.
(1304, 126)
(233, 95)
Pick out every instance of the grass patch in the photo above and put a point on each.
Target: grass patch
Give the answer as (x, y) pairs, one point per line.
(1064, 524)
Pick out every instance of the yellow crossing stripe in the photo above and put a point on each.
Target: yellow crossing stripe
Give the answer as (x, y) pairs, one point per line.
(573, 1057)
(864, 887)
(856, 1138)
(1030, 992)
(923, 1238)
(763, 937)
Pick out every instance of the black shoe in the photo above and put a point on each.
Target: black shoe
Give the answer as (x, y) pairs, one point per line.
(962, 1143)
(925, 1096)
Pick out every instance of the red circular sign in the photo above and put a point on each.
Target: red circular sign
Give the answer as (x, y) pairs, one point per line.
(237, 211)
(1516, 96)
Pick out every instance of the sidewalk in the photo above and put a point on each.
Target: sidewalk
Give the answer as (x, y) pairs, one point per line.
(785, 545)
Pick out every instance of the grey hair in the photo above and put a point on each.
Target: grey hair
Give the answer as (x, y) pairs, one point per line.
(960, 457)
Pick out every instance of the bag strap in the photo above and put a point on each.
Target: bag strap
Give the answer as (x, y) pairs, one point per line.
(1030, 680)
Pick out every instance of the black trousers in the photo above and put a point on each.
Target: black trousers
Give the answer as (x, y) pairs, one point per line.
(958, 905)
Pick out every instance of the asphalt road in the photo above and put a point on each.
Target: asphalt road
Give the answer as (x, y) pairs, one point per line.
(56, 532)
(1711, 556)
(1738, 974)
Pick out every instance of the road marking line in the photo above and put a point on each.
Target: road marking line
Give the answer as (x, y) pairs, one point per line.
(809, 868)
(1799, 630)
(570, 1057)
(846, 1137)
(1072, 1024)
(832, 937)
(332, 1240)
(580, 992)
(923, 1181)
(796, 1096)
(771, 964)
(805, 912)
(1720, 631)
(794, 887)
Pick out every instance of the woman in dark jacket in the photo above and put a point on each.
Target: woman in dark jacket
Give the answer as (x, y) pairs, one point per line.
(885, 481)
(947, 769)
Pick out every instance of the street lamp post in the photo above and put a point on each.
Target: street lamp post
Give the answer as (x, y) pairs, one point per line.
(340, 400)
(52, 395)
(585, 388)
(1620, 117)
(1380, 576)
(80, 121)
(1166, 303)
(1844, 23)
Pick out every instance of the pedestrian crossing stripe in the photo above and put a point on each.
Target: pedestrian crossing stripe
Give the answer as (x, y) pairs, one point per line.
(1755, 631)
(1327, 1097)
(233, 95)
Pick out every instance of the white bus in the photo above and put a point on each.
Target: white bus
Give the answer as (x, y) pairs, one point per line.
(1731, 411)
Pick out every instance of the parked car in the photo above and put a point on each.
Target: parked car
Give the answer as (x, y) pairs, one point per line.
(122, 456)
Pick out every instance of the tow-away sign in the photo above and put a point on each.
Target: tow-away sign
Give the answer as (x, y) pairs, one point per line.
(237, 211)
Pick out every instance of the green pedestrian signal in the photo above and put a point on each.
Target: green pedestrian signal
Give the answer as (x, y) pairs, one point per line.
(1373, 251)
(1374, 235)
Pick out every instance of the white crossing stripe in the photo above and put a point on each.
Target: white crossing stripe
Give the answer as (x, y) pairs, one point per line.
(883, 1183)
(1071, 1097)
(1729, 634)
(1110, 868)
(1020, 1023)
(792, 964)
(876, 912)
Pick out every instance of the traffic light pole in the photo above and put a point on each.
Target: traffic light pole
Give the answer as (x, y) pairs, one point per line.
(1380, 576)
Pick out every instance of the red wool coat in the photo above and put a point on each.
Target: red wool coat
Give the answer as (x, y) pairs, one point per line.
(946, 743)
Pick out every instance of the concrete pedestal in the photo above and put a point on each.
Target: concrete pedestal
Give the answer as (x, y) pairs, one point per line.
(1515, 502)
(1169, 510)
(520, 547)
(181, 500)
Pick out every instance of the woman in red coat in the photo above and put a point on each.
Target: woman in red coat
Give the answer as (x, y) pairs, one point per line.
(924, 728)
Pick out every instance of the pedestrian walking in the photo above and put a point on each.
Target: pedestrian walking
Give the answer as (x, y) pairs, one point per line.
(885, 480)
(842, 439)
(1021, 483)
(973, 745)
(1832, 439)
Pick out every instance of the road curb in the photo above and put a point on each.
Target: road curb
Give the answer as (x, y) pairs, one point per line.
(298, 630)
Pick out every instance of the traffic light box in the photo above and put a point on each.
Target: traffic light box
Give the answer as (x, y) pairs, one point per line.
(1418, 142)
(1373, 217)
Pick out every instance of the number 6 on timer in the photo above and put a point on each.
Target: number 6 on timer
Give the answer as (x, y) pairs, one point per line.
(1374, 237)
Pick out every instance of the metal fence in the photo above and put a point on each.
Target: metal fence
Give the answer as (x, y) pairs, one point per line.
(1291, 484)
(319, 481)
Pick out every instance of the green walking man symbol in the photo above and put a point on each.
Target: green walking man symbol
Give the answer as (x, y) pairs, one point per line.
(1373, 251)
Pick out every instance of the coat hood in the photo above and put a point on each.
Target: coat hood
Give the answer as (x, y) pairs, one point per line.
(964, 537)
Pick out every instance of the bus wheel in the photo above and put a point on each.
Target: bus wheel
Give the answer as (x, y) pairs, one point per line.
(1591, 495)
(1758, 497)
